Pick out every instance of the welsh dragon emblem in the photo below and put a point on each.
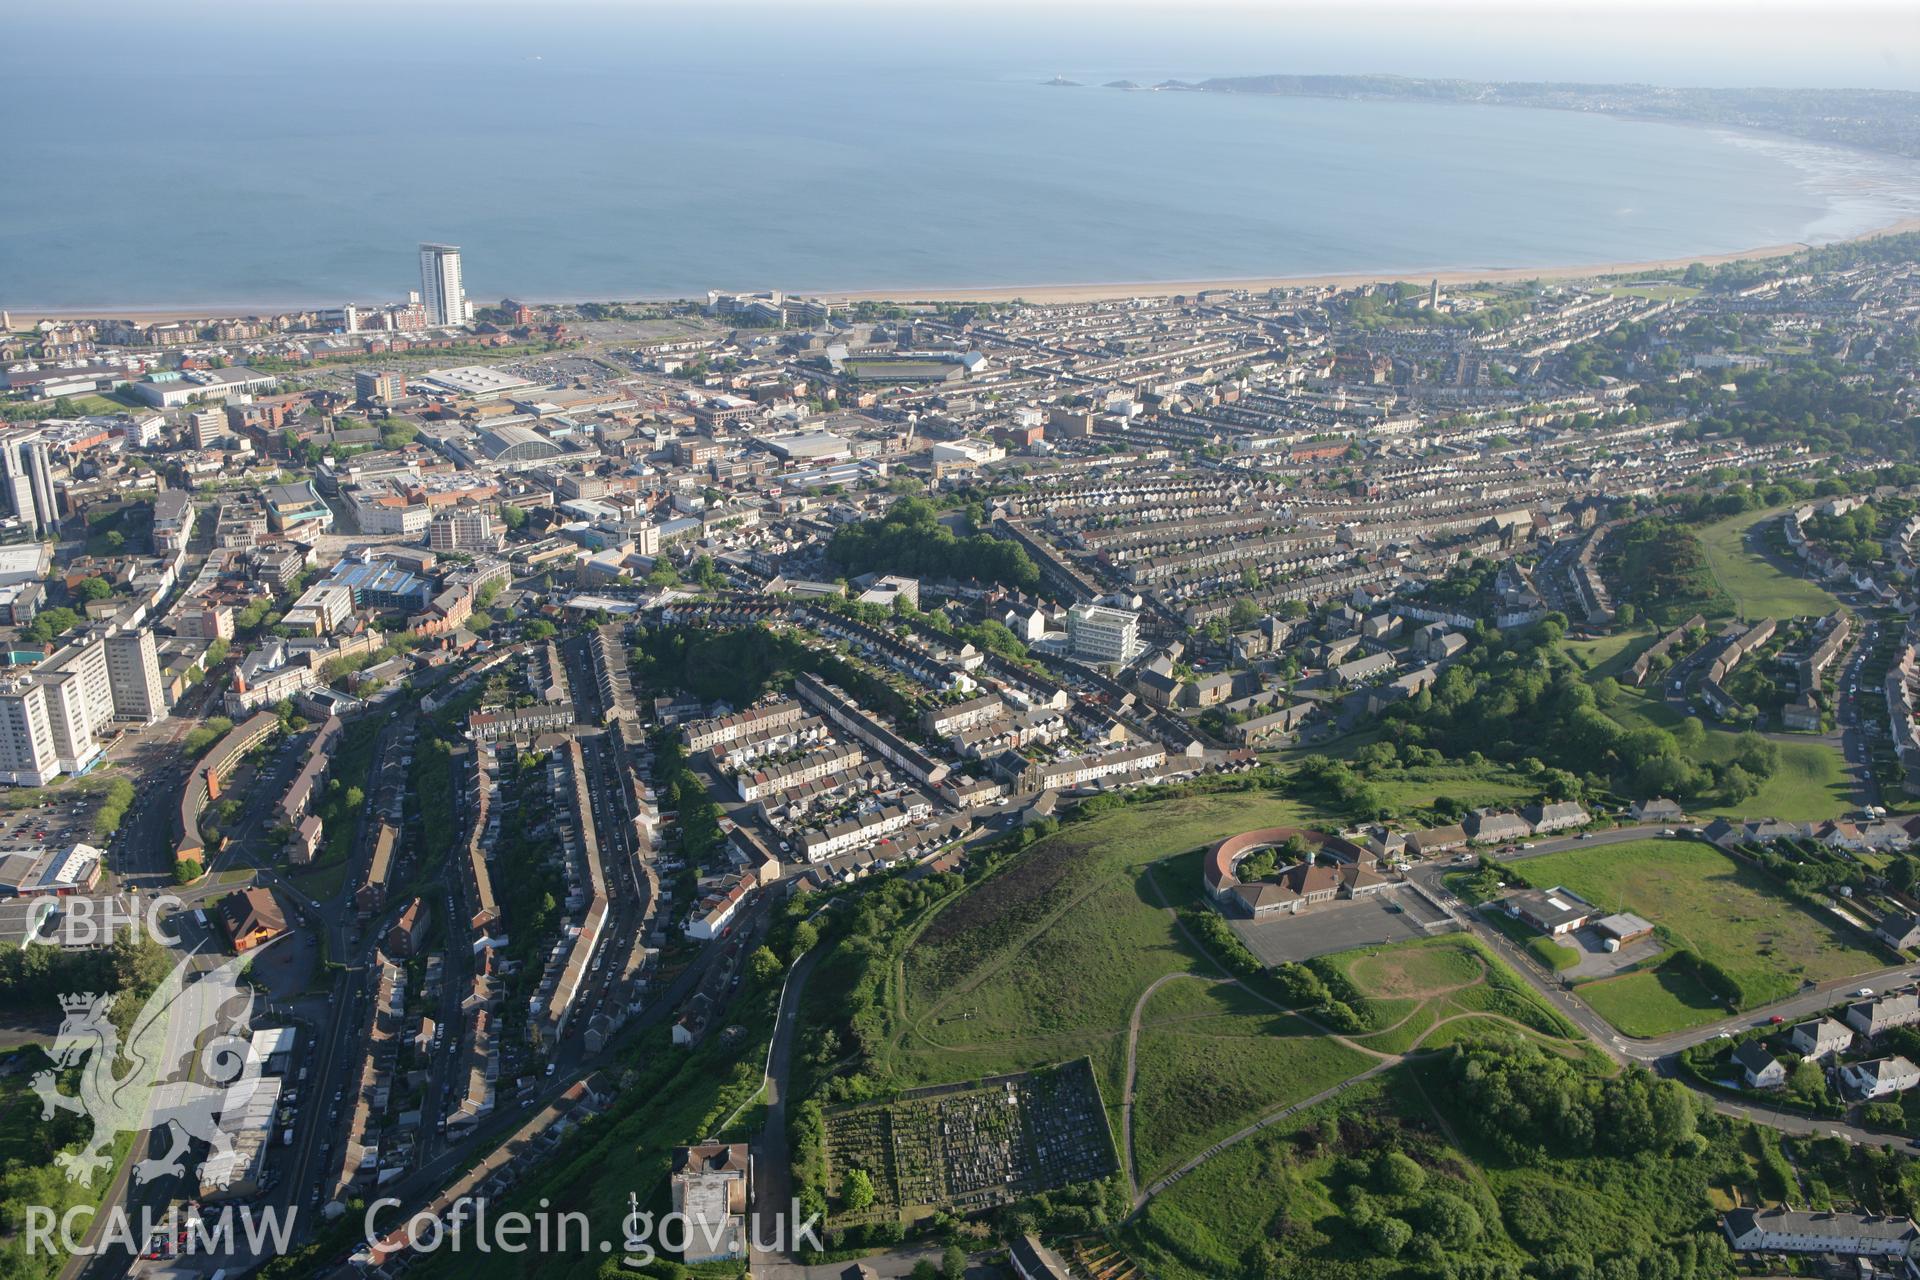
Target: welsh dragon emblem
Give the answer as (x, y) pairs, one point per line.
(180, 1024)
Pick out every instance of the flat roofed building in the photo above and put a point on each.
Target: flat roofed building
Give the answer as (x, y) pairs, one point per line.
(27, 757)
(1554, 911)
(133, 675)
(709, 1184)
(1096, 633)
(475, 381)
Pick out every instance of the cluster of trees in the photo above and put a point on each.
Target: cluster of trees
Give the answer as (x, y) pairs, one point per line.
(134, 964)
(1407, 304)
(990, 636)
(1850, 536)
(29, 1174)
(1394, 1206)
(697, 816)
(49, 623)
(114, 803)
(845, 1020)
(1322, 991)
(738, 666)
(1519, 699)
(1665, 566)
(731, 666)
(910, 539)
(203, 736)
(1528, 1102)
(1819, 402)
(1336, 784)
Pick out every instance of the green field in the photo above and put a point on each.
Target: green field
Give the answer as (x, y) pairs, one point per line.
(1426, 993)
(1212, 1059)
(1811, 782)
(1416, 787)
(1043, 960)
(1759, 590)
(1722, 911)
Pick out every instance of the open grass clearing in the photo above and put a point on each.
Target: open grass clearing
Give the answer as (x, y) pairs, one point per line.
(1722, 910)
(1759, 588)
(1201, 1077)
(1415, 989)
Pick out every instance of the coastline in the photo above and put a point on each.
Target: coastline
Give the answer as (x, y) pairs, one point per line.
(1095, 291)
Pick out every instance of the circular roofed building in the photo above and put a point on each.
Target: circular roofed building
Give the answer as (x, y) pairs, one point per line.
(1334, 868)
(514, 443)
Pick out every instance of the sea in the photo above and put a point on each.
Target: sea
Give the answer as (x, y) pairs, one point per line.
(219, 155)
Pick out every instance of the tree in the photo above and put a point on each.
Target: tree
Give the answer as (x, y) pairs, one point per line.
(1397, 1174)
(806, 935)
(1449, 1219)
(856, 1191)
(1389, 1236)
(217, 652)
(49, 623)
(95, 588)
(1900, 874)
(115, 539)
(1244, 614)
(953, 1263)
(186, 871)
(511, 516)
(763, 965)
(924, 1270)
(397, 433)
(1736, 784)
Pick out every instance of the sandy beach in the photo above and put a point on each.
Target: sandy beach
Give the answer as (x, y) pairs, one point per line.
(1067, 293)
(1338, 280)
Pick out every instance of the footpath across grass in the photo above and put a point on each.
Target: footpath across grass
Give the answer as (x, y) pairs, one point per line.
(1212, 1060)
(1043, 960)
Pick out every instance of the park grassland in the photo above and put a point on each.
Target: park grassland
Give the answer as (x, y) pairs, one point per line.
(1810, 783)
(1043, 960)
(1427, 993)
(1046, 959)
(1758, 588)
(1409, 788)
(1212, 1059)
(1706, 902)
(1610, 654)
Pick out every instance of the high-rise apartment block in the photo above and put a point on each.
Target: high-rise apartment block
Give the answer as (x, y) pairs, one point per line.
(442, 291)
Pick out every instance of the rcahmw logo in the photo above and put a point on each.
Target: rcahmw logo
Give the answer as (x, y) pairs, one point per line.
(184, 1061)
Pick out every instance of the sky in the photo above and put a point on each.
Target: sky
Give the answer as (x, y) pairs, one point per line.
(1707, 42)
